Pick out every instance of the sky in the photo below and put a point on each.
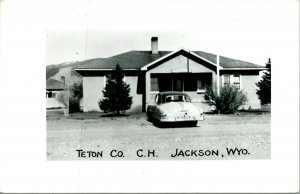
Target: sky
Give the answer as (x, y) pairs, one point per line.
(241, 29)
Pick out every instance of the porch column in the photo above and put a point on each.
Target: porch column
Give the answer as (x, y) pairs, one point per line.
(218, 75)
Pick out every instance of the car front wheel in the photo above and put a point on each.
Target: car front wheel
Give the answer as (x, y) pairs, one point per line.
(148, 117)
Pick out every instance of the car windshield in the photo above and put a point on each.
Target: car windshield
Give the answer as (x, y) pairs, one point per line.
(177, 98)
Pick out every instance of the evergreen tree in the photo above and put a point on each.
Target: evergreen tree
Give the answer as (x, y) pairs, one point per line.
(264, 85)
(116, 93)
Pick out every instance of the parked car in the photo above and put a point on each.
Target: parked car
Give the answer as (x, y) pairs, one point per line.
(174, 107)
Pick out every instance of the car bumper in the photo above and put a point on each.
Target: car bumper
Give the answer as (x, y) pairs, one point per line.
(178, 119)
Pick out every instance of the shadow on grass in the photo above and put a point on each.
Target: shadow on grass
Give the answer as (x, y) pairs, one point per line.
(263, 110)
(114, 115)
(174, 125)
(254, 111)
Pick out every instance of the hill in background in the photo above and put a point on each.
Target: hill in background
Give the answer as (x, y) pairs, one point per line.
(66, 70)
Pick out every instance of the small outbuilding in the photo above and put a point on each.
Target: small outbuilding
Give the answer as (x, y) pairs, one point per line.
(53, 88)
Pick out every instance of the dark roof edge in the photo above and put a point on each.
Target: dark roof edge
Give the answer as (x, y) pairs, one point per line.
(243, 68)
(107, 69)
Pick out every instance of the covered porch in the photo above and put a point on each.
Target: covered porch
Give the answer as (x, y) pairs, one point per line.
(194, 84)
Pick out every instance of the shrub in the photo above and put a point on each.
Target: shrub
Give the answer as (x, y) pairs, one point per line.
(64, 98)
(74, 105)
(75, 98)
(229, 101)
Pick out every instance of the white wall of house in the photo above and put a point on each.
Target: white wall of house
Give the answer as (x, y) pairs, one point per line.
(93, 86)
(196, 67)
(92, 93)
(249, 87)
(137, 99)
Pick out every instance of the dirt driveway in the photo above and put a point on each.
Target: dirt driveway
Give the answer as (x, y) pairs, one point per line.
(242, 136)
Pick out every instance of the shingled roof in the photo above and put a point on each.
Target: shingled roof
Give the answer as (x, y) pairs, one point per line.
(52, 84)
(138, 59)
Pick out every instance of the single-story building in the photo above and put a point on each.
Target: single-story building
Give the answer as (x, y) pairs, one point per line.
(53, 88)
(150, 72)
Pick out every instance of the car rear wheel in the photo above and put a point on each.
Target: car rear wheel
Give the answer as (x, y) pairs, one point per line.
(193, 123)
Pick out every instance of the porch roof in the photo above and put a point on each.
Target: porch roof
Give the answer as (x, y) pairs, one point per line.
(135, 60)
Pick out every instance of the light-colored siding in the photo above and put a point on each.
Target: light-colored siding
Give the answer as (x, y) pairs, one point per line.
(93, 86)
(249, 87)
(92, 93)
(137, 99)
(53, 102)
(195, 67)
(175, 65)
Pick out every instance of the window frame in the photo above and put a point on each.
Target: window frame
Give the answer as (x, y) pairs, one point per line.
(201, 90)
(183, 79)
(231, 82)
(239, 83)
(154, 91)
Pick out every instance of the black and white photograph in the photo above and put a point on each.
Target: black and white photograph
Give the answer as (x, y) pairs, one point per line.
(185, 95)
(157, 104)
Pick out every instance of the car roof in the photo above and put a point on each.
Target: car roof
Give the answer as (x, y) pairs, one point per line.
(171, 93)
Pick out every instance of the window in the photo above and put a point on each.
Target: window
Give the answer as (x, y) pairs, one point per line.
(168, 99)
(233, 79)
(50, 95)
(190, 82)
(63, 79)
(200, 84)
(203, 81)
(154, 84)
(177, 98)
(236, 80)
(159, 100)
(226, 79)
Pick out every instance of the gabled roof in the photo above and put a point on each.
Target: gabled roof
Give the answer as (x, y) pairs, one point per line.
(234, 63)
(139, 59)
(182, 51)
(128, 60)
(52, 84)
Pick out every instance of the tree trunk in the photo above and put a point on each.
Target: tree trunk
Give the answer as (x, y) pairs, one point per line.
(66, 111)
(118, 112)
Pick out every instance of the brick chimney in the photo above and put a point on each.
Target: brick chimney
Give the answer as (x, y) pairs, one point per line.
(154, 45)
(63, 79)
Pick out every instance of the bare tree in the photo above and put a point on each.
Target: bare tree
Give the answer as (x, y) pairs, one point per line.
(64, 98)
